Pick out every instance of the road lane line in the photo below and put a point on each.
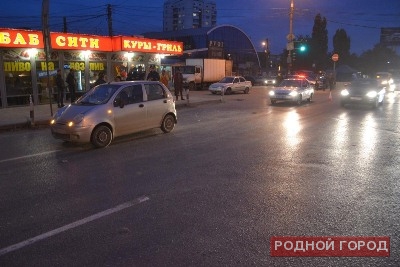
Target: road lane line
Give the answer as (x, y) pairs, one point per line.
(73, 225)
(29, 156)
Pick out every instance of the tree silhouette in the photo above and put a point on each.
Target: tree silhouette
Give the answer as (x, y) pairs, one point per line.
(341, 45)
(319, 42)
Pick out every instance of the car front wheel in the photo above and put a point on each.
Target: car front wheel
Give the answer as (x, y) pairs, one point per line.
(168, 123)
(101, 136)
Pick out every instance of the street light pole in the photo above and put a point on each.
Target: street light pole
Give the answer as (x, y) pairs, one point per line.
(266, 50)
(290, 37)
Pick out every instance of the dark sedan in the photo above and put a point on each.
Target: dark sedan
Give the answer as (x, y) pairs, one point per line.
(363, 91)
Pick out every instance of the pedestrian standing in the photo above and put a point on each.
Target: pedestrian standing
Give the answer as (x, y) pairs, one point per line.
(101, 79)
(178, 83)
(71, 81)
(153, 74)
(140, 74)
(60, 89)
(164, 78)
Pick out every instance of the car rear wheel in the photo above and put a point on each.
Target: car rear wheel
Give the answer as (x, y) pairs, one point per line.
(246, 91)
(310, 98)
(228, 91)
(168, 123)
(273, 102)
(101, 136)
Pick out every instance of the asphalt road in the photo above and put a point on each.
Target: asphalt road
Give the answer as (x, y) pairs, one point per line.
(211, 193)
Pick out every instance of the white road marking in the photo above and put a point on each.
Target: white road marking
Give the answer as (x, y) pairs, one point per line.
(29, 156)
(73, 225)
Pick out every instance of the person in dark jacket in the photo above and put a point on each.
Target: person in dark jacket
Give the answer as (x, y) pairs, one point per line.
(71, 81)
(153, 74)
(101, 79)
(178, 83)
(60, 89)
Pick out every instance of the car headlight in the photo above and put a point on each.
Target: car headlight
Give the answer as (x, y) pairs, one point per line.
(57, 115)
(271, 93)
(293, 93)
(372, 94)
(344, 92)
(76, 120)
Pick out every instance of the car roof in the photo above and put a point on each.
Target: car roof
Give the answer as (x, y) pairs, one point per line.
(133, 82)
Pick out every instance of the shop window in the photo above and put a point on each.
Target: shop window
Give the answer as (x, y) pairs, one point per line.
(18, 88)
(46, 85)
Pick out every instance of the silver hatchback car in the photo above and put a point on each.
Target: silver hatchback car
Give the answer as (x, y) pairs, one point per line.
(115, 109)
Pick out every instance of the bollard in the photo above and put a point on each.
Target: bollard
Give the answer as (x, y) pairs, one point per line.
(31, 111)
(187, 96)
(222, 94)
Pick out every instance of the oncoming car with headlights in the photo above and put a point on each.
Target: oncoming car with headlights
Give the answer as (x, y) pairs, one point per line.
(293, 90)
(385, 79)
(363, 91)
(115, 109)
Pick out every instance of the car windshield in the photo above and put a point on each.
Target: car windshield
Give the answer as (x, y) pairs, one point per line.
(98, 95)
(290, 83)
(364, 84)
(227, 80)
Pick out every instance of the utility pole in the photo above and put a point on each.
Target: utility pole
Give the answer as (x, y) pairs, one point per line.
(290, 36)
(46, 39)
(65, 24)
(109, 16)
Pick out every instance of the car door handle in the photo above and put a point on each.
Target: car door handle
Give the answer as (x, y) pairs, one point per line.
(141, 106)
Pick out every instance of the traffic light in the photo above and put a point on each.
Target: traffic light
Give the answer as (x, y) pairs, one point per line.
(303, 48)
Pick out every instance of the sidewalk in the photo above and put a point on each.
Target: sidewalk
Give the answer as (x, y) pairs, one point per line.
(19, 117)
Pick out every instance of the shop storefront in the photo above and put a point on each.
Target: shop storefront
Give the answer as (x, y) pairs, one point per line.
(25, 71)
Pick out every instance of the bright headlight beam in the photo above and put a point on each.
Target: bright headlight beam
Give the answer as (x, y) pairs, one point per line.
(372, 94)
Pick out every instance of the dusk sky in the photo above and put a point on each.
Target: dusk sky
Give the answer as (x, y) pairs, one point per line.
(259, 19)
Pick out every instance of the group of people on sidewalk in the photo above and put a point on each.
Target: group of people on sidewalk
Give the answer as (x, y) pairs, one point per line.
(164, 78)
(153, 75)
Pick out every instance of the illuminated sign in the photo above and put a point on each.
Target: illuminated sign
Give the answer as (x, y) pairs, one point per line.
(20, 38)
(215, 44)
(14, 38)
(17, 66)
(67, 41)
(81, 66)
(133, 44)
